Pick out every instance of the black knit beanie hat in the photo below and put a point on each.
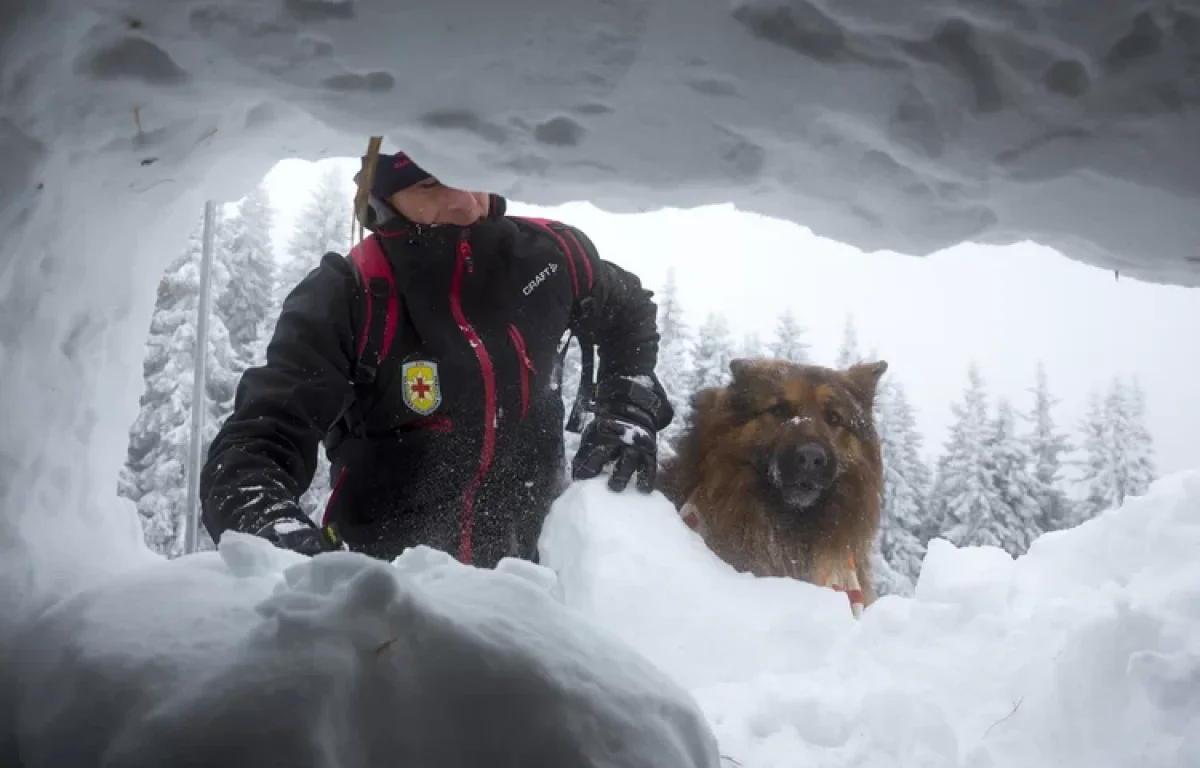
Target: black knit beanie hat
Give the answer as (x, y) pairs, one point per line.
(394, 173)
(397, 172)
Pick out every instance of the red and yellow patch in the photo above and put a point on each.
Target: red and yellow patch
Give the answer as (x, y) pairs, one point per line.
(422, 390)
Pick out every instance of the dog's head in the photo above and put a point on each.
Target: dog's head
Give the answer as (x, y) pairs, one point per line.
(808, 430)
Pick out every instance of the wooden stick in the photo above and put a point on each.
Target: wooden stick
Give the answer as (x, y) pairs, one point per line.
(366, 178)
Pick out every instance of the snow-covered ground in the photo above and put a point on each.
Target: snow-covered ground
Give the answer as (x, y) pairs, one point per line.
(256, 656)
(1085, 653)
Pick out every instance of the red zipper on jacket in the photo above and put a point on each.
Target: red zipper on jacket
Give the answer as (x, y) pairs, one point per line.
(489, 395)
(337, 486)
(526, 366)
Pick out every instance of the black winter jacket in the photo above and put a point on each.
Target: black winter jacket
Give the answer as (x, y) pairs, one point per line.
(458, 443)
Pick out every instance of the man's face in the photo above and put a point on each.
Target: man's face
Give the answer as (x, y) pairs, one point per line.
(431, 202)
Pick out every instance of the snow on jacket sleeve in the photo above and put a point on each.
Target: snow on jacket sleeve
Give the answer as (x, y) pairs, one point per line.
(623, 320)
(264, 456)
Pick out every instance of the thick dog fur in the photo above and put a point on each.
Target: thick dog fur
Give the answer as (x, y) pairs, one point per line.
(727, 465)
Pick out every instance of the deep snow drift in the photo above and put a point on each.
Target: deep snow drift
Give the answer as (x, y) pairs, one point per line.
(1083, 654)
(260, 657)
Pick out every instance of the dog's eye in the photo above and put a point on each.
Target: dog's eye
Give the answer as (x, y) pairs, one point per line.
(780, 410)
(834, 418)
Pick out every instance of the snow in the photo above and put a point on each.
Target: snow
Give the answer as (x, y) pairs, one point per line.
(1083, 653)
(631, 644)
(257, 656)
(632, 434)
(288, 526)
(884, 125)
(907, 129)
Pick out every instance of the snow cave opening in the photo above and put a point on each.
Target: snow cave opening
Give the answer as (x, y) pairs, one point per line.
(119, 124)
(910, 130)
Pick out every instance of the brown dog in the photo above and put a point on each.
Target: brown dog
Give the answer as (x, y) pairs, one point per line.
(782, 467)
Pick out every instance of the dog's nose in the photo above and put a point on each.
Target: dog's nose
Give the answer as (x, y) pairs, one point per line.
(812, 457)
(807, 464)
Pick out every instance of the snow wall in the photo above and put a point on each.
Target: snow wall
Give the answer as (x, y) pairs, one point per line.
(909, 126)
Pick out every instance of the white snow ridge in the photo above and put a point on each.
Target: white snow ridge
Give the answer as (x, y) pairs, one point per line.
(885, 124)
(260, 657)
(1085, 653)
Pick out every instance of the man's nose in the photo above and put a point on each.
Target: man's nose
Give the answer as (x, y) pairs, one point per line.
(463, 200)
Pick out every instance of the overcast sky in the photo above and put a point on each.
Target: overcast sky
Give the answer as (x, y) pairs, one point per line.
(1006, 308)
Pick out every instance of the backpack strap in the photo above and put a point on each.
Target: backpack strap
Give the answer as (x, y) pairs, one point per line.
(581, 282)
(381, 302)
(570, 247)
(382, 315)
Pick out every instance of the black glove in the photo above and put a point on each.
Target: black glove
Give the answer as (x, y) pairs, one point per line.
(623, 433)
(300, 535)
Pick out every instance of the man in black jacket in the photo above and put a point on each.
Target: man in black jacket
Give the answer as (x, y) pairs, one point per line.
(427, 363)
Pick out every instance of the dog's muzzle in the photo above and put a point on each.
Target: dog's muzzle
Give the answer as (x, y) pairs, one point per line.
(802, 472)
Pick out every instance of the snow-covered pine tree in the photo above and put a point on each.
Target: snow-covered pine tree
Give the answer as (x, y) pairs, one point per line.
(848, 353)
(155, 472)
(249, 258)
(752, 346)
(1014, 523)
(674, 364)
(1116, 406)
(965, 498)
(1047, 446)
(905, 488)
(711, 355)
(322, 225)
(887, 579)
(1119, 449)
(1098, 476)
(788, 343)
(1140, 457)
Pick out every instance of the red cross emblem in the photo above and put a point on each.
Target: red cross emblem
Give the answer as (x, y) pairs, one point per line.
(421, 388)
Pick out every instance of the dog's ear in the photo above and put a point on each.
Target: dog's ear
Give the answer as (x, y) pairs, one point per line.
(739, 367)
(863, 379)
(747, 369)
(706, 400)
(751, 379)
(706, 404)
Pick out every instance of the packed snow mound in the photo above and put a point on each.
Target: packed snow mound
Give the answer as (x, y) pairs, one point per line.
(256, 656)
(630, 645)
(884, 124)
(1084, 653)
